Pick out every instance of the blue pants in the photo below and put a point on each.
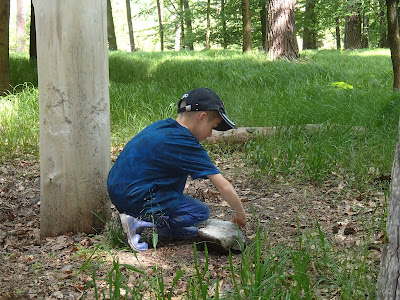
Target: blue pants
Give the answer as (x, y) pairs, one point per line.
(191, 212)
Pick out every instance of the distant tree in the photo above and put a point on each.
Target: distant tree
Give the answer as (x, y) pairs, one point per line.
(21, 26)
(188, 37)
(352, 35)
(32, 35)
(247, 37)
(208, 29)
(282, 42)
(160, 23)
(383, 41)
(112, 39)
(394, 40)
(310, 26)
(264, 24)
(130, 29)
(74, 116)
(223, 25)
(5, 79)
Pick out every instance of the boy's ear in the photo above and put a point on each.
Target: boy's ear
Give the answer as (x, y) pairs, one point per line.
(201, 116)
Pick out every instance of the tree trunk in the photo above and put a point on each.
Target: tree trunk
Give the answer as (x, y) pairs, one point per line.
(352, 34)
(309, 31)
(32, 35)
(160, 24)
(208, 29)
(394, 40)
(182, 24)
(112, 39)
(223, 21)
(264, 24)
(188, 22)
(130, 29)
(21, 26)
(383, 41)
(74, 115)
(364, 37)
(389, 275)
(5, 79)
(247, 38)
(338, 38)
(282, 42)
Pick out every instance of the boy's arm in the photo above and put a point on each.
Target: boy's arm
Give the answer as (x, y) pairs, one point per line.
(229, 194)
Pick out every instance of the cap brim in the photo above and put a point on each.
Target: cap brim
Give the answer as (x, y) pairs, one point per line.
(225, 124)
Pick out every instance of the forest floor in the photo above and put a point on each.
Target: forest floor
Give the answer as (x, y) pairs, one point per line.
(36, 268)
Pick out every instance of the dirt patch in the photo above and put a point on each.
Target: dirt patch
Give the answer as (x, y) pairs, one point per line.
(36, 268)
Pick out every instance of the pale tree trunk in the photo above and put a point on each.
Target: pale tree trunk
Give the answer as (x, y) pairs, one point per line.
(21, 26)
(160, 24)
(208, 30)
(5, 80)
(394, 40)
(130, 29)
(112, 39)
(282, 42)
(388, 287)
(74, 115)
(247, 37)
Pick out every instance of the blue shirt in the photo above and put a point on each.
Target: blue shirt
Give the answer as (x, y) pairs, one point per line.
(150, 173)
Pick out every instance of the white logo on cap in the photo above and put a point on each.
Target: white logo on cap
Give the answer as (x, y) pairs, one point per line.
(185, 96)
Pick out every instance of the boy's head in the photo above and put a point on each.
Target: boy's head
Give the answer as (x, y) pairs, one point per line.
(204, 99)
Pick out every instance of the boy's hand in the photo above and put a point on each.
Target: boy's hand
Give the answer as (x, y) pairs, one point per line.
(240, 220)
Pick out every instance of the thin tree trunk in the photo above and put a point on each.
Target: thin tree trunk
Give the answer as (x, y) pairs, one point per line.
(364, 37)
(188, 22)
(130, 29)
(208, 29)
(160, 24)
(282, 42)
(5, 79)
(338, 37)
(223, 21)
(21, 26)
(309, 31)
(264, 24)
(383, 41)
(32, 35)
(182, 24)
(247, 37)
(112, 40)
(74, 116)
(394, 40)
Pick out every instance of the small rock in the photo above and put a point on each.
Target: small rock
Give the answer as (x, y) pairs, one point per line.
(223, 234)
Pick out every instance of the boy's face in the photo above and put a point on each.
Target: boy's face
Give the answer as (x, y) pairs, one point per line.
(206, 123)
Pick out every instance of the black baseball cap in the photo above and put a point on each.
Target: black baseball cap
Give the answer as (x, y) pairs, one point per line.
(204, 99)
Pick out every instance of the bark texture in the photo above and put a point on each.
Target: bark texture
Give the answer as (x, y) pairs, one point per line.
(389, 275)
(247, 37)
(112, 39)
(21, 26)
(5, 80)
(130, 29)
(282, 41)
(74, 115)
(352, 35)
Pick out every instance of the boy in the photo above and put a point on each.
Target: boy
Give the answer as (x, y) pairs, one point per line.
(147, 180)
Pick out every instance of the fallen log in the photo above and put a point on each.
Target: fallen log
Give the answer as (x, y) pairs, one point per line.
(243, 134)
